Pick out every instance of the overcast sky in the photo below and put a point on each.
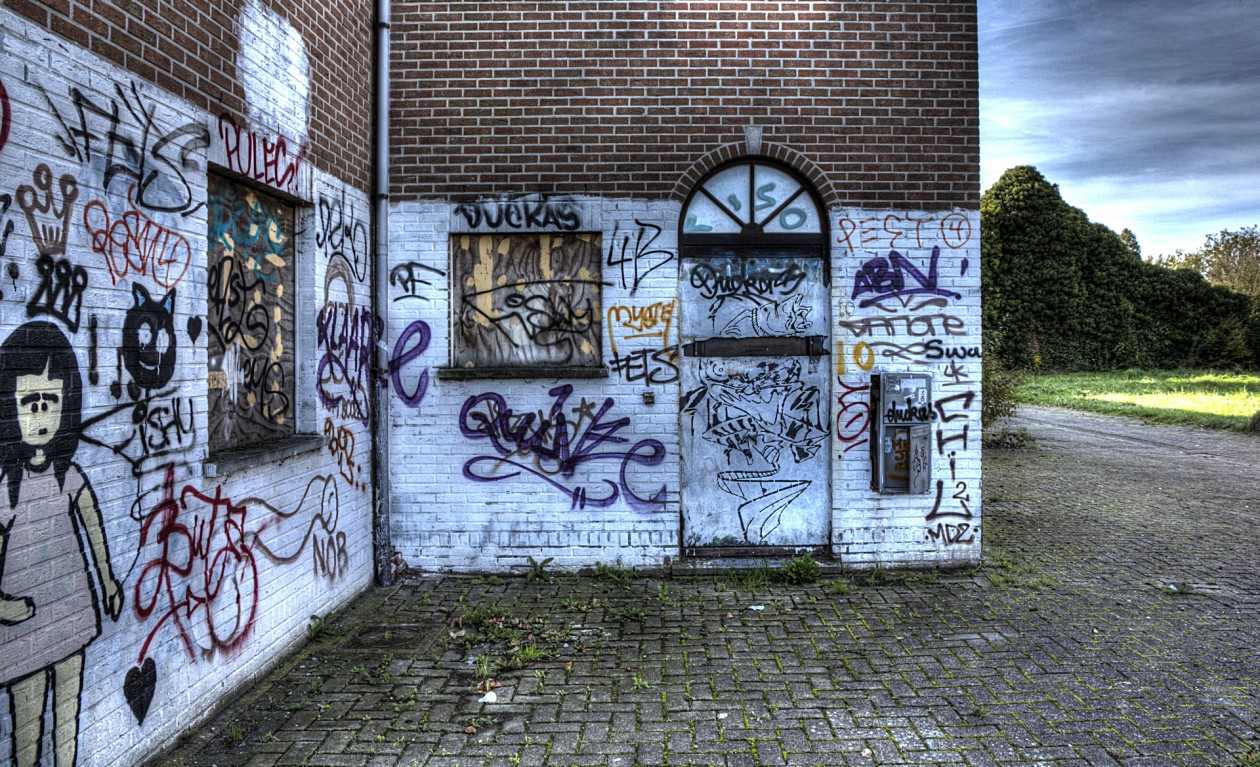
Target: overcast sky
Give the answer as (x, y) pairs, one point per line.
(1146, 113)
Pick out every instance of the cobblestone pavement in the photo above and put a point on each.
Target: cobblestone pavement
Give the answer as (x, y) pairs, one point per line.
(1114, 622)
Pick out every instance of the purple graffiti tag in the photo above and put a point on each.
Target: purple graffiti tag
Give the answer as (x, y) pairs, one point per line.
(5, 115)
(403, 356)
(347, 336)
(552, 447)
(886, 278)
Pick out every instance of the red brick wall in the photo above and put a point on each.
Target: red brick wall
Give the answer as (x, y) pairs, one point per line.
(189, 48)
(621, 97)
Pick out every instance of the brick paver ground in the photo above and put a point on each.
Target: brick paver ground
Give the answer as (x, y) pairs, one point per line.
(1114, 622)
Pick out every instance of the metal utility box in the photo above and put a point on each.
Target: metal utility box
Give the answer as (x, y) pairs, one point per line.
(901, 433)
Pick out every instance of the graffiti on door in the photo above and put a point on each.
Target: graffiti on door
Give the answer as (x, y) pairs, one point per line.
(762, 417)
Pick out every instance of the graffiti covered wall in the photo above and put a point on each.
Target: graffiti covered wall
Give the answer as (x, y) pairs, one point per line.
(144, 573)
(580, 464)
(908, 301)
(187, 391)
(587, 468)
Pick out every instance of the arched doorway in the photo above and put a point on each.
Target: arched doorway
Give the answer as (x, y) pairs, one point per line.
(754, 326)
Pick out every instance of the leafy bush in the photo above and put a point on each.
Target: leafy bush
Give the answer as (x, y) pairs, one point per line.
(799, 569)
(1065, 293)
(998, 385)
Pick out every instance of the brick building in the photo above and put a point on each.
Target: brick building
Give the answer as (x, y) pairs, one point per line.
(612, 282)
(185, 207)
(654, 253)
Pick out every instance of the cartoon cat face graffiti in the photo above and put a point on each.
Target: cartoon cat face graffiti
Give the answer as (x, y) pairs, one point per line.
(148, 346)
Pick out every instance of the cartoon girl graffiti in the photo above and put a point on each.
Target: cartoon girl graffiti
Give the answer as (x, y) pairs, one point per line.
(53, 553)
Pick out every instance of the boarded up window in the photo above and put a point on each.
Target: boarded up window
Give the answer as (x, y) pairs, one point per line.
(250, 315)
(526, 300)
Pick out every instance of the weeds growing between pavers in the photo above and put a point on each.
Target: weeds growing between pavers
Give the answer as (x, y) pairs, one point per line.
(514, 631)
(613, 576)
(498, 641)
(1004, 569)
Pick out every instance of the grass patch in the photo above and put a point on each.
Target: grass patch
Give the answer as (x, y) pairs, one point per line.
(1215, 400)
(1006, 570)
(840, 587)
(626, 614)
(748, 579)
(876, 575)
(613, 576)
(499, 642)
(798, 570)
(921, 578)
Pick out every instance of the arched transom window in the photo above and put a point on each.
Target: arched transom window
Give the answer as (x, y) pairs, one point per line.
(753, 198)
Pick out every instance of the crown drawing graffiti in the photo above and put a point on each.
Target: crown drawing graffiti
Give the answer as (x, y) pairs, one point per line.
(49, 219)
(60, 292)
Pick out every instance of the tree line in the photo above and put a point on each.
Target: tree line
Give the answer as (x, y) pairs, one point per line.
(1063, 293)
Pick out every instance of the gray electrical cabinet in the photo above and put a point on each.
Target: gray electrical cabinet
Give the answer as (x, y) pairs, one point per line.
(901, 433)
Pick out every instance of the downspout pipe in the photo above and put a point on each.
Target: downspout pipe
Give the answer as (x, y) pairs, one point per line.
(382, 541)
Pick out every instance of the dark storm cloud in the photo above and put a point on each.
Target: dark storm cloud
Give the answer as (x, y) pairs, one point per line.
(1184, 132)
(1125, 103)
(1074, 46)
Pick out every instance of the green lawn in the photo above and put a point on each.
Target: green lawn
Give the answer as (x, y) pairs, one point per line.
(1203, 397)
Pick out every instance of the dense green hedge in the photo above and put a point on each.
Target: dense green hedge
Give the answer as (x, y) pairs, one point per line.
(1064, 293)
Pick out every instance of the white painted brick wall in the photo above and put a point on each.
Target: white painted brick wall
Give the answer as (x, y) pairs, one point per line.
(444, 521)
(440, 519)
(290, 506)
(893, 530)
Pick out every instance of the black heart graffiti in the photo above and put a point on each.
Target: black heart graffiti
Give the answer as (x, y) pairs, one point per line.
(138, 688)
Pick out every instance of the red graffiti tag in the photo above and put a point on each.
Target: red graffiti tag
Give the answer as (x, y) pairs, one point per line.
(203, 553)
(204, 577)
(260, 157)
(135, 242)
(853, 419)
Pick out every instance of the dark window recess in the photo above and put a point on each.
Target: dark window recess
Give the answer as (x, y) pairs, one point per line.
(250, 316)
